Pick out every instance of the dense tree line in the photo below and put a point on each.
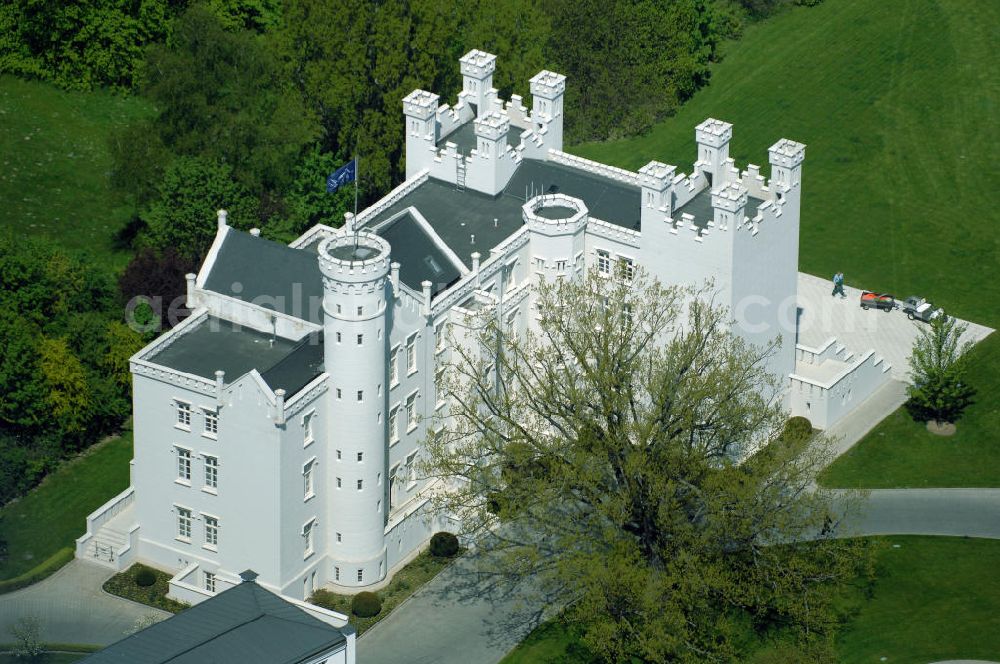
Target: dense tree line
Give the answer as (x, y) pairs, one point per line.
(64, 375)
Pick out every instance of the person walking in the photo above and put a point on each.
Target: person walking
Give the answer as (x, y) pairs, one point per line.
(838, 285)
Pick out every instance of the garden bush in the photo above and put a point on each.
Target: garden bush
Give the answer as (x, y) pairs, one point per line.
(444, 545)
(366, 605)
(797, 429)
(144, 577)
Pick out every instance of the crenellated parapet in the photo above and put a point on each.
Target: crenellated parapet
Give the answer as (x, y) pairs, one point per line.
(353, 263)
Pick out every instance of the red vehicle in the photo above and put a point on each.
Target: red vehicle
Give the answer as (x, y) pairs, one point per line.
(883, 301)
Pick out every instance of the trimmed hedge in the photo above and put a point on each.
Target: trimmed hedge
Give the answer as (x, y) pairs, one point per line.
(144, 577)
(41, 571)
(444, 545)
(366, 605)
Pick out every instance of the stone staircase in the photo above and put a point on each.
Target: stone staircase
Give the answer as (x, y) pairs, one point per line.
(107, 542)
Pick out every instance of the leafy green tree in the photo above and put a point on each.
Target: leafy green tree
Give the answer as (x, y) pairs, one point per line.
(22, 392)
(938, 364)
(625, 442)
(192, 190)
(629, 63)
(82, 44)
(257, 15)
(123, 342)
(68, 393)
(223, 97)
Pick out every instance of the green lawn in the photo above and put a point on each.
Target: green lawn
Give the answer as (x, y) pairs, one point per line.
(897, 102)
(54, 177)
(935, 598)
(54, 514)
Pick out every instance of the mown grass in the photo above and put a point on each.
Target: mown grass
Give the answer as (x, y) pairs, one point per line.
(54, 514)
(935, 598)
(897, 102)
(54, 179)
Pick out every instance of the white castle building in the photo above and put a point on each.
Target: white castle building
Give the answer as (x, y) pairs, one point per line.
(277, 427)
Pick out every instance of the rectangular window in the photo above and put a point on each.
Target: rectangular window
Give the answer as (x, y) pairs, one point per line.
(627, 268)
(361, 484)
(361, 456)
(394, 366)
(183, 464)
(336, 574)
(439, 391)
(361, 339)
(394, 483)
(361, 395)
(338, 337)
(183, 523)
(339, 482)
(603, 262)
(210, 581)
(307, 480)
(394, 424)
(361, 575)
(411, 468)
(211, 422)
(561, 266)
(512, 325)
(539, 263)
(183, 414)
(212, 472)
(378, 507)
(307, 428)
(340, 538)
(338, 393)
(211, 531)
(361, 311)
(338, 455)
(411, 411)
(411, 354)
(439, 336)
(307, 535)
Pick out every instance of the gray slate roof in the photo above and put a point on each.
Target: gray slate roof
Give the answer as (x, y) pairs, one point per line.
(270, 274)
(418, 256)
(243, 625)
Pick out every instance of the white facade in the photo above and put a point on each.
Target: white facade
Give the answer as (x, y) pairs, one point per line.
(314, 483)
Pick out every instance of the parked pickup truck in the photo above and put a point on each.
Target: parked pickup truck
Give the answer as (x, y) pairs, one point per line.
(918, 308)
(883, 301)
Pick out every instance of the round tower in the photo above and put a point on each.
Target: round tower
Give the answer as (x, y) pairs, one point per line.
(355, 272)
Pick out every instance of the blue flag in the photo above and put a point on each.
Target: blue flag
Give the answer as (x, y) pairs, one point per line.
(341, 176)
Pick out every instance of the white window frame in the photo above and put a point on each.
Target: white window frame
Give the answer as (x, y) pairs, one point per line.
(308, 422)
(394, 482)
(411, 470)
(603, 262)
(211, 473)
(308, 534)
(412, 417)
(184, 465)
(411, 354)
(210, 581)
(210, 418)
(394, 424)
(211, 531)
(626, 267)
(183, 408)
(439, 336)
(361, 575)
(308, 479)
(440, 396)
(185, 517)
(394, 366)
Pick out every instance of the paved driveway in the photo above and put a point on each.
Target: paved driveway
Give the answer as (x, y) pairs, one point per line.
(957, 512)
(73, 608)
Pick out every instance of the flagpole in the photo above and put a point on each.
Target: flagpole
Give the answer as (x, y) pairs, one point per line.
(355, 201)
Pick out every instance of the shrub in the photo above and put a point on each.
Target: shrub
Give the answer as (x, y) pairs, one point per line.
(144, 577)
(444, 545)
(326, 599)
(366, 605)
(797, 429)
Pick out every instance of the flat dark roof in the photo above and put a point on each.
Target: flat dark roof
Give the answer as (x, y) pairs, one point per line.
(700, 207)
(470, 221)
(418, 256)
(465, 137)
(245, 624)
(220, 344)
